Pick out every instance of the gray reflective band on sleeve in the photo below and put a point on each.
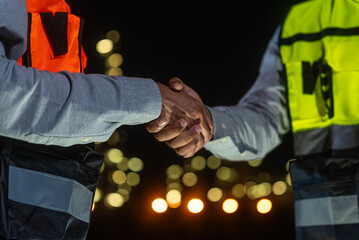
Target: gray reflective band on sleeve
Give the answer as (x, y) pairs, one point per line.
(50, 192)
(327, 211)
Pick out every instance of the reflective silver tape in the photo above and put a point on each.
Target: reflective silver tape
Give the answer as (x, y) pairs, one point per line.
(50, 192)
(327, 211)
(336, 137)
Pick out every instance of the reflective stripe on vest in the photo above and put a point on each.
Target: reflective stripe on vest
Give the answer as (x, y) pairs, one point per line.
(319, 47)
(50, 192)
(327, 211)
(55, 38)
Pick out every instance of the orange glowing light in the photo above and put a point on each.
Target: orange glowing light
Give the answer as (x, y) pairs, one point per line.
(264, 206)
(195, 205)
(230, 205)
(159, 205)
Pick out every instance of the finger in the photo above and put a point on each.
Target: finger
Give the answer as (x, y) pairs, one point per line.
(156, 125)
(175, 84)
(200, 144)
(190, 149)
(185, 138)
(171, 131)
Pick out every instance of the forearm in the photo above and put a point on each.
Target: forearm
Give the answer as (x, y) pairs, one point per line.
(243, 133)
(254, 127)
(66, 109)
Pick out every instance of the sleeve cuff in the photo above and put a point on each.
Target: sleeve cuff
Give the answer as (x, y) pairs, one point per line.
(144, 100)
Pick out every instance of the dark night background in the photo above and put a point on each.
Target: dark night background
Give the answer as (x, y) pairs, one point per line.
(216, 48)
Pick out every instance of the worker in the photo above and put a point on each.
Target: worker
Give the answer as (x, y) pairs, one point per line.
(307, 83)
(52, 113)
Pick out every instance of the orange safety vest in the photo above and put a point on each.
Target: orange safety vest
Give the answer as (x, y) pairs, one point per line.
(54, 37)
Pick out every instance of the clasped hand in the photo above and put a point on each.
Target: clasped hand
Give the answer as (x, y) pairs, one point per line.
(185, 124)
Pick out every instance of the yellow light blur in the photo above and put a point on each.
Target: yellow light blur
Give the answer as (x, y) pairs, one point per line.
(198, 163)
(103, 165)
(230, 205)
(174, 186)
(116, 71)
(98, 195)
(252, 192)
(113, 35)
(135, 164)
(173, 198)
(288, 164)
(213, 162)
(119, 177)
(104, 46)
(114, 60)
(264, 206)
(123, 165)
(124, 193)
(195, 205)
(214, 194)
(279, 188)
(114, 155)
(238, 190)
(255, 163)
(159, 205)
(125, 186)
(133, 179)
(189, 179)
(225, 174)
(174, 171)
(114, 200)
(288, 179)
(259, 190)
(93, 207)
(114, 139)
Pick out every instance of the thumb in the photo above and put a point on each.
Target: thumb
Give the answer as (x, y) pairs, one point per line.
(176, 84)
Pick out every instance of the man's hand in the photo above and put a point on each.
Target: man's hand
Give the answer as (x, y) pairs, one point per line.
(185, 124)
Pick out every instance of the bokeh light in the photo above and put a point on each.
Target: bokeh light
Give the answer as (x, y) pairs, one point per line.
(198, 163)
(288, 179)
(174, 171)
(173, 198)
(135, 164)
(195, 205)
(114, 200)
(133, 179)
(279, 188)
(104, 46)
(213, 162)
(214, 194)
(119, 177)
(255, 163)
(189, 179)
(98, 195)
(113, 35)
(114, 155)
(230, 205)
(159, 205)
(264, 206)
(123, 165)
(239, 190)
(225, 174)
(114, 60)
(114, 139)
(116, 71)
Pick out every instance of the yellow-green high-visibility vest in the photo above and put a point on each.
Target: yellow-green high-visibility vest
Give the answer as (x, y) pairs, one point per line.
(319, 47)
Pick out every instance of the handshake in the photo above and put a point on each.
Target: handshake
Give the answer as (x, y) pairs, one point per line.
(185, 124)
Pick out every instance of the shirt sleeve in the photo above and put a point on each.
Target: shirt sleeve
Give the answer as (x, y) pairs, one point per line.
(255, 126)
(63, 108)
